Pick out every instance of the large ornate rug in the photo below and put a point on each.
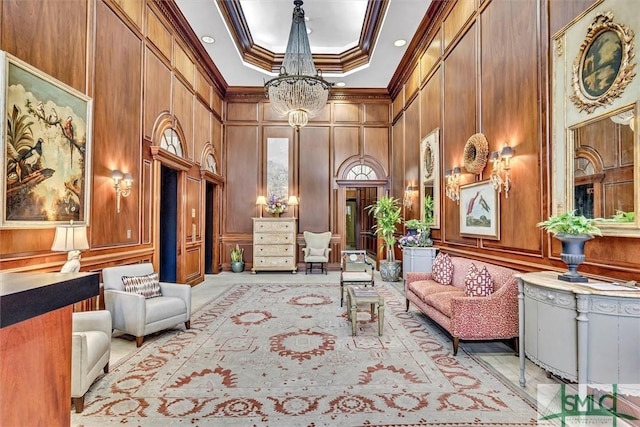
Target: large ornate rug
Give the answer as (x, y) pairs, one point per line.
(283, 355)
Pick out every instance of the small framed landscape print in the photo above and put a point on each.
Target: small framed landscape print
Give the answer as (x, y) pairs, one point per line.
(480, 210)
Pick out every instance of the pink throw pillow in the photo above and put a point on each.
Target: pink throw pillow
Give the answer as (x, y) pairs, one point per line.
(442, 270)
(478, 283)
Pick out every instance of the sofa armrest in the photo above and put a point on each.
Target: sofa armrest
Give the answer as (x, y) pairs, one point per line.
(414, 276)
(128, 310)
(85, 321)
(179, 291)
(495, 316)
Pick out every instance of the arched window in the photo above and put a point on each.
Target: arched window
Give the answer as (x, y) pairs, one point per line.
(171, 142)
(361, 173)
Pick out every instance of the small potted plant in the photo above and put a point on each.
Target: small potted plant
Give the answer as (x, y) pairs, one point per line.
(573, 231)
(237, 263)
(386, 211)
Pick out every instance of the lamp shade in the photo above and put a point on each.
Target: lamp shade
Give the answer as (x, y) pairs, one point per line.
(293, 201)
(70, 238)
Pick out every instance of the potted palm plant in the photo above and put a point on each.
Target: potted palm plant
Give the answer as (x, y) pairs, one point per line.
(573, 231)
(386, 212)
(237, 263)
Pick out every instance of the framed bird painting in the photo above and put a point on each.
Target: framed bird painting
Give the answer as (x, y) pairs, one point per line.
(46, 148)
(480, 210)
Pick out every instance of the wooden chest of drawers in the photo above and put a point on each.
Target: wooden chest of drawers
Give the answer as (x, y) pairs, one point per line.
(274, 244)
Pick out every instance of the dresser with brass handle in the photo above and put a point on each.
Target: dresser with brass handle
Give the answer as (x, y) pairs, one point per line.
(274, 244)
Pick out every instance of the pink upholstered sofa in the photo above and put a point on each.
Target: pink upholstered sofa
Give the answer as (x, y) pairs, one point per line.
(468, 318)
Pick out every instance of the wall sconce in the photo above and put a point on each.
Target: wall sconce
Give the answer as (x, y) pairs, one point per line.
(293, 201)
(453, 183)
(261, 201)
(122, 185)
(500, 173)
(409, 193)
(71, 239)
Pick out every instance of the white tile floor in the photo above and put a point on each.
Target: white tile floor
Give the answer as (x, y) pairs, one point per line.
(496, 354)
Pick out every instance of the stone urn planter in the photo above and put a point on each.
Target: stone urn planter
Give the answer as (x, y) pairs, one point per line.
(390, 270)
(573, 255)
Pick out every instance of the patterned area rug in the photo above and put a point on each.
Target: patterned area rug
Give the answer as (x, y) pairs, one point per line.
(283, 355)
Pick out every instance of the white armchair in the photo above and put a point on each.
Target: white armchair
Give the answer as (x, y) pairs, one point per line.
(139, 316)
(316, 250)
(90, 351)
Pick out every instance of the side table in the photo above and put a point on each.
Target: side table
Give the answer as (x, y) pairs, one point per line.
(369, 296)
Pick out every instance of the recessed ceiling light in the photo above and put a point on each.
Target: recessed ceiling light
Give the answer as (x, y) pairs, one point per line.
(341, 84)
(208, 39)
(399, 43)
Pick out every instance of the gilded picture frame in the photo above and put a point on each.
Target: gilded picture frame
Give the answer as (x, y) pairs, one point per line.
(46, 149)
(480, 210)
(603, 67)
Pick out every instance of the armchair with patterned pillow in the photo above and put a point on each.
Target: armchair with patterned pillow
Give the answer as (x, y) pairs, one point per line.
(140, 304)
(316, 250)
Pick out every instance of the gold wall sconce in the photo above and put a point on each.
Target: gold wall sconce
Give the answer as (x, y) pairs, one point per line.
(452, 186)
(122, 184)
(500, 174)
(410, 193)
(260, 202)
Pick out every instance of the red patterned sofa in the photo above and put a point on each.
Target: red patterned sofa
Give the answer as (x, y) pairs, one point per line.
(468, 318)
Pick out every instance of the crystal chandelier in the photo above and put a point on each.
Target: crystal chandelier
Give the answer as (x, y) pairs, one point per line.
(299, 91)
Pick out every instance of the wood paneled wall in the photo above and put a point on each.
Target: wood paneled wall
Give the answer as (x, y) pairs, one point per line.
(142, 72)
(484, 68)
(352, 128)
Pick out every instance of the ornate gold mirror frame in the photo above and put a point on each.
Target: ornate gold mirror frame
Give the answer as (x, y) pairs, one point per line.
(593, 69)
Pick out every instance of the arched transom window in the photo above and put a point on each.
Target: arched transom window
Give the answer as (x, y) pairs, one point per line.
(171, 142)
(211, 163)
(361, 173)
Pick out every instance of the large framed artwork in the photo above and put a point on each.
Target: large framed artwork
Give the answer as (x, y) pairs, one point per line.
(480, 210)
(46, 149)
(278, 168)
(430, 178)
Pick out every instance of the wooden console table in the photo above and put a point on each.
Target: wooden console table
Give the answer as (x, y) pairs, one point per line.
(35, 345)
(578, 332)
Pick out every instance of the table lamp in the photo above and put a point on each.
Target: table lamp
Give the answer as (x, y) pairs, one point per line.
(72, 239)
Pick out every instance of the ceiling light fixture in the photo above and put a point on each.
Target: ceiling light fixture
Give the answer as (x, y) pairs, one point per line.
(299, 91)
(208, 39)
(341, 84)
(399, 43)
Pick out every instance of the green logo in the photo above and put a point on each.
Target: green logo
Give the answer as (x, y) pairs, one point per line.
(557, 402)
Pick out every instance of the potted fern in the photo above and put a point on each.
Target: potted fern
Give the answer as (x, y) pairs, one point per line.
(573, 231)
(237, 263)
(386, 212)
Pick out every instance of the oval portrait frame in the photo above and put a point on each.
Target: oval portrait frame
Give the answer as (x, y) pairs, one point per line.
(591, 72)
(476, 151)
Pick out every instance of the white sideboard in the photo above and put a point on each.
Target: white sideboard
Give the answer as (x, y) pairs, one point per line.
(577, 332)
(274, 244)
(418, 259)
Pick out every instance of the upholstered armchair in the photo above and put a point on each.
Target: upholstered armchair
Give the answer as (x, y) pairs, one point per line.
(90, 351)
(146, 312)
(316, 250)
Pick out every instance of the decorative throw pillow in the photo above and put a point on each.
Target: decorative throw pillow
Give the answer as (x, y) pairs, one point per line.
(442, 270)
(148, 286)
(478, 283)
(316, 251)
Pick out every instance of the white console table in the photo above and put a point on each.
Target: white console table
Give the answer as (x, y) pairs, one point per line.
(578, 332)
